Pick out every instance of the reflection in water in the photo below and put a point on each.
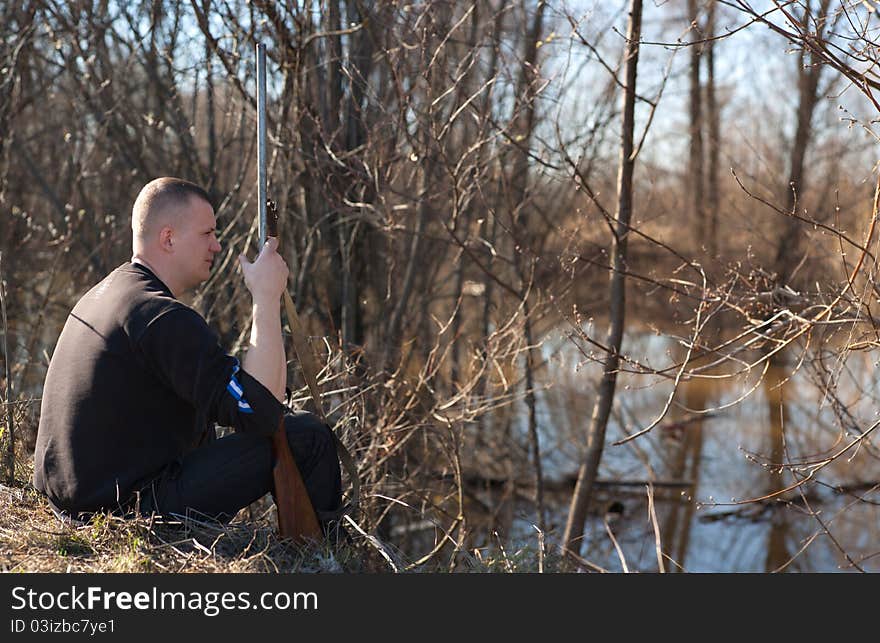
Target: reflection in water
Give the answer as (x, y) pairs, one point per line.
(719, 457)
(687, 442)
(701, 465)
(775, 383)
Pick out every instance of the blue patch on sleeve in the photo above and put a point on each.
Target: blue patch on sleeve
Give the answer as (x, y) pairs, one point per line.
(235, 389)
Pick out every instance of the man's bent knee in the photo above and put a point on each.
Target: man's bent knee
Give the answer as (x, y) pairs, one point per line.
(306, 431)
(314, 448)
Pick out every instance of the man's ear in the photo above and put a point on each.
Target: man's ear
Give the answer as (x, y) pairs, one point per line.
(166, 238)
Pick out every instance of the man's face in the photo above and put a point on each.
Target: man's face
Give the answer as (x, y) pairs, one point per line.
(195, 243)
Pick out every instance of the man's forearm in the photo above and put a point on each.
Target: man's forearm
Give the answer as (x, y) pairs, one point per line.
(265, 360)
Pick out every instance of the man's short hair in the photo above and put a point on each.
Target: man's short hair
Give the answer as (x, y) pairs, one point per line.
(160, 197)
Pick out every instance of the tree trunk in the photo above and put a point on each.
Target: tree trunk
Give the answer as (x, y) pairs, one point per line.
(489, 226)
(713, 193)
(522, 128)
(10, 428)
(695, 164)
(531, 405)
(791, 241)
(580, 501)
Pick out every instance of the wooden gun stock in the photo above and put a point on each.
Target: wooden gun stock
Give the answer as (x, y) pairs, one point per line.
(296, 516)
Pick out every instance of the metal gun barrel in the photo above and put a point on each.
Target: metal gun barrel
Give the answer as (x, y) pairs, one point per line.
(261, 139)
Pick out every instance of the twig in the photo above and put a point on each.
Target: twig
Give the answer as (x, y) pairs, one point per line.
(616, 547)
(375, 542)
(503, 552)
(653, 515)
(583, 562)
(10, 426)
(540, 549)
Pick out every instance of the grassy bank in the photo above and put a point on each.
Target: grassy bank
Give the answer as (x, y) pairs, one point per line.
(32, 539)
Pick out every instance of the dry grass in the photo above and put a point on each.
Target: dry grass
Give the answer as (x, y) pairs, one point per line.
(32, 539)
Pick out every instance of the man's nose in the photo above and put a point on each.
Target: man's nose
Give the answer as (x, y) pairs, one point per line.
(216, 247)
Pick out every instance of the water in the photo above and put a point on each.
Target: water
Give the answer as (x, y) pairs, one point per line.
(727, 456)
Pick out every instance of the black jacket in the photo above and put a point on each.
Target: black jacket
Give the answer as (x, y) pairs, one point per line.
(137, 380)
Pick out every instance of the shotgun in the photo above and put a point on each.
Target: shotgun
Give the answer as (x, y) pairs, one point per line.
(296, 515)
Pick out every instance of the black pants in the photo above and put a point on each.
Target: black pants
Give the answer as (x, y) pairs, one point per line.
(227, 474)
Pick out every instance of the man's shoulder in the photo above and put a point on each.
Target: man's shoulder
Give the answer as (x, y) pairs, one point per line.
(136, 299)
(156, 299)
(129, 282)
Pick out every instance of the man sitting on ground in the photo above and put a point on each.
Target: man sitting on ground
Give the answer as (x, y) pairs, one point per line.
(138, 380)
